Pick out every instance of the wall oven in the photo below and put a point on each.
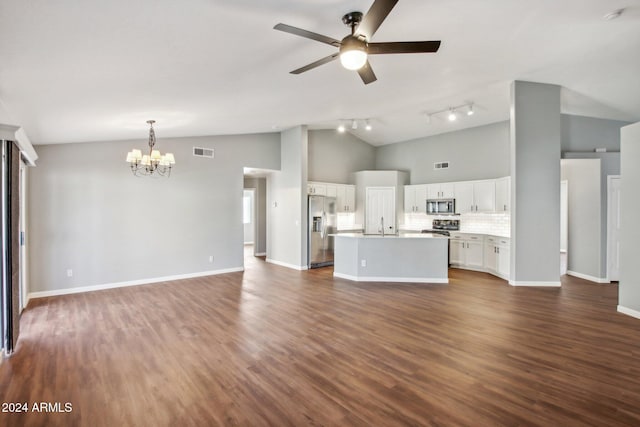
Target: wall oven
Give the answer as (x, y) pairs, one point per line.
(441, 206)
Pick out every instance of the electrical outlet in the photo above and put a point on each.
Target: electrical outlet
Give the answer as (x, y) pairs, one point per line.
(363, 262)
(69, 273)
(210, 258)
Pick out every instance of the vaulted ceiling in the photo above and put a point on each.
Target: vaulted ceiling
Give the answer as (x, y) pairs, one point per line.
(75, 71)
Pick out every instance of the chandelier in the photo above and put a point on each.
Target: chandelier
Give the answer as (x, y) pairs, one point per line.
(153, 163)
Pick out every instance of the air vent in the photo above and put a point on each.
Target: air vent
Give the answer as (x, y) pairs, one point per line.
(203, 152)
(441, 165)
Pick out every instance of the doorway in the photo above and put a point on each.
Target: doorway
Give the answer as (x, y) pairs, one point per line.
(564, 225)
(613, 227)
(248, 215)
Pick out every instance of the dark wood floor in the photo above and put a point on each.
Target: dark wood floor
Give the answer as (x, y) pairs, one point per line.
(273, 346)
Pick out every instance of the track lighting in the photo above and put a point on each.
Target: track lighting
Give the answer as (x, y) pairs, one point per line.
(355, 123)
(452, 112)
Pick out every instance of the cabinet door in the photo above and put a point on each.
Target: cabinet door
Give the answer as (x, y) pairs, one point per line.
(490, 257)
(420, 198)
(433, 191)
(341, 203)
(332, 190)
(503, 194)
(504, 261)
(409, 198)
(447, 190)
(350, 197)
(456, 251)
(474, 256)
(484, 196)
(316, 189)
(464, 197)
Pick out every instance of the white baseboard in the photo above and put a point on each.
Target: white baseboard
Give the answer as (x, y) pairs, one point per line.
(391, 279)
(529, 283)
(629, 312)
(286, 264)
(587, 277)
(260, 254)
(101, 287)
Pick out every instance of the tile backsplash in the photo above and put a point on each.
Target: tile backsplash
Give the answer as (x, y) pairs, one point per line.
(497, 224)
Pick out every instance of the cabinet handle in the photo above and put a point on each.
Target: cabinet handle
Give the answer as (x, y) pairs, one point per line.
(505, 207)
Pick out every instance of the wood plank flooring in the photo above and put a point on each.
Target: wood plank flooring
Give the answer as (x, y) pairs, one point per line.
(273, 346)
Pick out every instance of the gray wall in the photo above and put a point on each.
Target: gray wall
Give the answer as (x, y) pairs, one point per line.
(585, 240)
(629, 288)
(89, 214)
(477, 153)
(334, 156)
(287, 202)
(535, 183)
(260, 237)
(581, 133)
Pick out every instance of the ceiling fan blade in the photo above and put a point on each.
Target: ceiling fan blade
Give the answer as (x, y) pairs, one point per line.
(403, 47)
(366, 74)
(307, 34)
(374, 17)
(317, 63)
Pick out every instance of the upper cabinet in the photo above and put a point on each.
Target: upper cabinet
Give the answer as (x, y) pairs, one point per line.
(345, 194)
(503, 194)
(443, 190)
(316, 188)
(475, 196)
(346, 198)
(415, 198)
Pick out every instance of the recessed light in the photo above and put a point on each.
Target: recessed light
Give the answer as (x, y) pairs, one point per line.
(613, 14)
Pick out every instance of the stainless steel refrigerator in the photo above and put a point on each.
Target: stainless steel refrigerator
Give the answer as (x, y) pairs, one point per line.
(321, 224)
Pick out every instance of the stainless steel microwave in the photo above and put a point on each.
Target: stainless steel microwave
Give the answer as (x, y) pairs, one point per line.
(441, 206)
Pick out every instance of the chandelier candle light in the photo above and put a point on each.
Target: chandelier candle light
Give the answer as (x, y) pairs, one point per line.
(152, 164)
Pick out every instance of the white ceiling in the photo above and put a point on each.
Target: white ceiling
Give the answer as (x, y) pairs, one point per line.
(75, 71)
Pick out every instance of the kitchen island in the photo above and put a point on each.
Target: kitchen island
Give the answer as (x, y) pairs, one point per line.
(419, 258)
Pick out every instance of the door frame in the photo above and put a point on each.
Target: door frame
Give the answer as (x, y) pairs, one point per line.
(610, 224)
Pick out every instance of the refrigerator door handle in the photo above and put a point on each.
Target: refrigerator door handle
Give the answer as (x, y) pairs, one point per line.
(323, 225)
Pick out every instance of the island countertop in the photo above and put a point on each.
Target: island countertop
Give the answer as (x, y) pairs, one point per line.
(415, 257)
(392, 236)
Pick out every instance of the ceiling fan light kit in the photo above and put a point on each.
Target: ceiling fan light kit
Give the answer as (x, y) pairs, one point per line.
(355, 48)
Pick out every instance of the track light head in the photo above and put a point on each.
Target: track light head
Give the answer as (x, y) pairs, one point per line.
(367, 125)
(452, 115)
(354, 124)
(470, 110)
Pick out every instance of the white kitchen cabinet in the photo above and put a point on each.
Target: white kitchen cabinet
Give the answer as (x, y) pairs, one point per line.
(503, 194)
(316, 188)
(346, 198)
(467, 251)
(442, 190)
(415, 198)
(380, 210)
(464, 196)
(332, 190)
(497, 256)
(475, 196)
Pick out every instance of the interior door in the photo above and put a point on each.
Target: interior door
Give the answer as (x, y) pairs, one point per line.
(613, 228)
(380, 210)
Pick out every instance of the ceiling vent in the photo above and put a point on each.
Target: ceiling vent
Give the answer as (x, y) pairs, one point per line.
(441, 165)
(203, 152)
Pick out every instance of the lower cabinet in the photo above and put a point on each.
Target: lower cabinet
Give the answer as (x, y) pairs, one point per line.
(497, 256)
(481, 253)
(467, 251)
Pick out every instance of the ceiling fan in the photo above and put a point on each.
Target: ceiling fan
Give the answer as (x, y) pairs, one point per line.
(355, 47)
